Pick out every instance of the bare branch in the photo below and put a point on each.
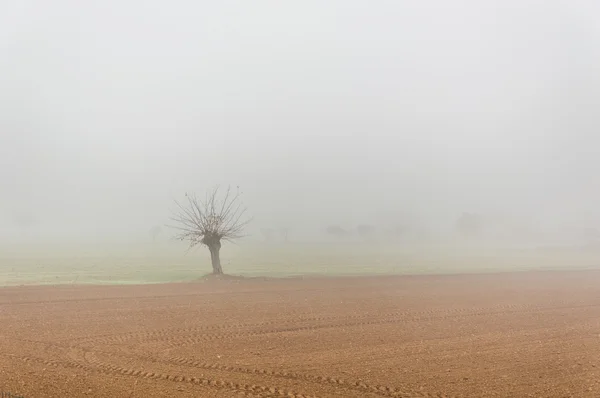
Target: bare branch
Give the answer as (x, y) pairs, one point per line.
(211, 220)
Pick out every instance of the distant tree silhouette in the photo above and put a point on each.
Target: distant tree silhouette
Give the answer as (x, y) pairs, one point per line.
(336, 230)
(284, 232)
(155, 231)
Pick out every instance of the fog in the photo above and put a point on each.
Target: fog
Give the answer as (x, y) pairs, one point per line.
(323, 113)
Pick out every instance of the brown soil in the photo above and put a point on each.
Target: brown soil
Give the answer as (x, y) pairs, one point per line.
(505, 335)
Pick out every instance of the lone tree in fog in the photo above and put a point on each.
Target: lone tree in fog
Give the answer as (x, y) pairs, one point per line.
(211, 221)
(155, 231)
(285, 233)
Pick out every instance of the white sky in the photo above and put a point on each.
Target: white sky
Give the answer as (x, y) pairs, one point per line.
(322, 111)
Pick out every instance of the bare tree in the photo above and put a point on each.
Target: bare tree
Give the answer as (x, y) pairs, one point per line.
(336, 231)
(210, 221)
(154, 232)
(284, 232)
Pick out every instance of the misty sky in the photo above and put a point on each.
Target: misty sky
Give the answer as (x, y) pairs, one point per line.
(322, 111)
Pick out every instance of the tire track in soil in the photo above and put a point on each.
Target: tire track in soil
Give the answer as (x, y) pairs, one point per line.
(212, 330)
(321, 381)
(360, 386)
(405, 316)
(166, 335)
(171, 340)
(246, 390)
(176, 342)
(87, 360)
(532, 362)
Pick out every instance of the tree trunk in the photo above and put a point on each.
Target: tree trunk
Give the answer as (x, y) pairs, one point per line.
(215, 258)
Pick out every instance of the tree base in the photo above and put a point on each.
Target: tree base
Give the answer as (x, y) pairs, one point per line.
(222, 277)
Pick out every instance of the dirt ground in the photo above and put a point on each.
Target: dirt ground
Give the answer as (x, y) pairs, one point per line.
(505, 335)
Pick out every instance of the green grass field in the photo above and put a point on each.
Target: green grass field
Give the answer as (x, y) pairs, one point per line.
(169, 262)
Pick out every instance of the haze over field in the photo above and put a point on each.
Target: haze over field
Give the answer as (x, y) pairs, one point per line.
(324, 113)
(420, 178)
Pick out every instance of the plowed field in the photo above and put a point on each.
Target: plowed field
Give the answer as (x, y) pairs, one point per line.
(503, 335)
